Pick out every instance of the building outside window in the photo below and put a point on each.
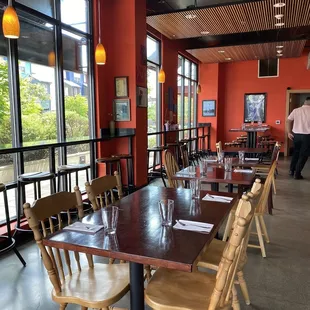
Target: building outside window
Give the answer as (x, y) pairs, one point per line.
(187, 94)
(52, 77)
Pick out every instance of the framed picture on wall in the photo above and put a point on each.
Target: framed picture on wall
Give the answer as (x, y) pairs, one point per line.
(121, 87)
(255, 107)
(121, 110)
(208, 108)
(141, 97)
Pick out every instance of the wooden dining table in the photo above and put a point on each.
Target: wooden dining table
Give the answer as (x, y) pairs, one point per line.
(237, 163)
(216, 175)
(140, 238)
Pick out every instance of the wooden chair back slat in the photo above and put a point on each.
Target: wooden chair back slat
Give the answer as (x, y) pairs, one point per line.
(275, 152)
(219, 148)
(184, 155)
(172, 168)
(100, 191)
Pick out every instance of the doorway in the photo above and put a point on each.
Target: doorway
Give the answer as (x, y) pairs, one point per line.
(294, 99)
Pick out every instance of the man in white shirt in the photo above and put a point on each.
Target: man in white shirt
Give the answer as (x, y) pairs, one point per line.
(298, 124)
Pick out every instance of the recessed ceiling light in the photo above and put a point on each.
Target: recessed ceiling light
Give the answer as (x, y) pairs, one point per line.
(204, 32)
(190, 16)
(278, 16)
(279, 46)
(173, 35)
(279, 52)
(279, 5)
(279, 55)
(279, 24)
(221, 52)
(25, 37)
(228, 58)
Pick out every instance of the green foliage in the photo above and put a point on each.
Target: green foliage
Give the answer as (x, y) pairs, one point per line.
(77, 104)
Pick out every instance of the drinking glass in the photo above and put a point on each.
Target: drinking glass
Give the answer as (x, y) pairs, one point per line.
(195, 188)
(166, 240)
(203, 165)
(228, 164)
(109, 219)
(191, 170)
(220, 157)
(166, 208)
(110, 242)
(241, 156)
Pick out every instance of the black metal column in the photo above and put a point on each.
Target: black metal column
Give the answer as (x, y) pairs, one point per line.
(136, 286)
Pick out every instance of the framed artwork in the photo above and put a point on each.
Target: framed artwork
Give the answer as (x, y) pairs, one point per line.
(208, 108)
(121, 110)
(121, 87)
(141, 97)
(255, 107)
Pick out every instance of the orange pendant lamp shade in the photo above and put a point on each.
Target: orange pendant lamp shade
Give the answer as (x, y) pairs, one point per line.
(198, 89)
(10, 23)
(161, 76)
(51, 59)
(100, 55)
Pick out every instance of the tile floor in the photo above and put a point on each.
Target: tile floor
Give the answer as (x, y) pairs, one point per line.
(279, 282)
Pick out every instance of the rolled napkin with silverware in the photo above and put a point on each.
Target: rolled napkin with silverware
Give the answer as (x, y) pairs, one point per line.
(200, 227)
(217, 198)
(84, 228)
(243, 170)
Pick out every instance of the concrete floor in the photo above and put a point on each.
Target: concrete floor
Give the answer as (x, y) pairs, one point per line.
(280, 281)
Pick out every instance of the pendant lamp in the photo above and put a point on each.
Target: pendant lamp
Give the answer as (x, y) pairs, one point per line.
(161, 76)
(100, 54)
(198, 88)
(10, 22)
(51, 58)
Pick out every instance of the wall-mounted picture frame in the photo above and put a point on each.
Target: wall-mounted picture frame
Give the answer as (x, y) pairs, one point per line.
(121, 110)
(208, 108)
(255, 107)
(121, 87)
(141, 97)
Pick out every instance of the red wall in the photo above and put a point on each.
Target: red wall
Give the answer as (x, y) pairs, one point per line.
(232, 80)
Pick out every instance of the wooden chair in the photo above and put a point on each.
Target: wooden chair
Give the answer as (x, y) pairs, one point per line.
(177, 290)
(256, 187)
(91, 286)
(219, 148)
(211, 258)
(184, 155)
(100, 191)
(260, 211)
(172, 168)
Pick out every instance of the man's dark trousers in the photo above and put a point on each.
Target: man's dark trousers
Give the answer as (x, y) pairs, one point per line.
(301, 152)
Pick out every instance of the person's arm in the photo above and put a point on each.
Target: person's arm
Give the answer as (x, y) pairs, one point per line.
(289, 123)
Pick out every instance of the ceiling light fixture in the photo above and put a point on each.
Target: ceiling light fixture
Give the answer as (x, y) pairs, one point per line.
(198, 88)
(279, 46)
(204, 32)
(221, 52)
(100, 53)
(279, 24)
(51, 59)
(279, 5)
(10, 22)
(279, 55)
(279, 51)
(161, 73)
(190, 16)
(279, 16)
(228, 58)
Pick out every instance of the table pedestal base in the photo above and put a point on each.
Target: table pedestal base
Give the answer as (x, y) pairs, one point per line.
(136, 286)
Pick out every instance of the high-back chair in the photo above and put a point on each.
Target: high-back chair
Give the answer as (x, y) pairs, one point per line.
(172, 168)
(101, 193)
(184, 155)
(260, 211)
(211, 258)
(90, 286)
(177, 290)
(219, 148)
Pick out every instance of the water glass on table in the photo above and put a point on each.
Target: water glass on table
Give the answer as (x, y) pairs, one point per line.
(166, 208)
(241, 155)
(203, 166)
(220, 157)
(109, 219)
(191, 170)
(228, 164)
(195, 186)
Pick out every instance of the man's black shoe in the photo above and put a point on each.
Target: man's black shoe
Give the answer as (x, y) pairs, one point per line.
(298, 177)
(291, 173)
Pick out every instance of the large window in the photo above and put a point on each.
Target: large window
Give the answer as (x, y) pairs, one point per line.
(46, 86)
(154, 111)
(187, 95)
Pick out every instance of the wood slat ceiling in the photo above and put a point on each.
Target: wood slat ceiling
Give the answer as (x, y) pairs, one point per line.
(248, 52)
(237, 18)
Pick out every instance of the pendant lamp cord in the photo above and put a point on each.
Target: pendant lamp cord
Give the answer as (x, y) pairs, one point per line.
(10, 3)
(99, 21)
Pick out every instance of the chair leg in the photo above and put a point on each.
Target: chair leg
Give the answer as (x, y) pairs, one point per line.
(235, 301)
(228, 227)
(264, 228)
(244, 288)
(274, 186)
(260, 236)
(83, 308)
(63, 306)
(148, 272)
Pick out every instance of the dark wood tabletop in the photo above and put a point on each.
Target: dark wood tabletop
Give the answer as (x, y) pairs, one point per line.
(217, 175)
(251, 150)
(140, 236)
(251, 129)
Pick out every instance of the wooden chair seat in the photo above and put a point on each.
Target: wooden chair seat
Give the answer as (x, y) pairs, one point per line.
(96, 287)
(176, 290)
